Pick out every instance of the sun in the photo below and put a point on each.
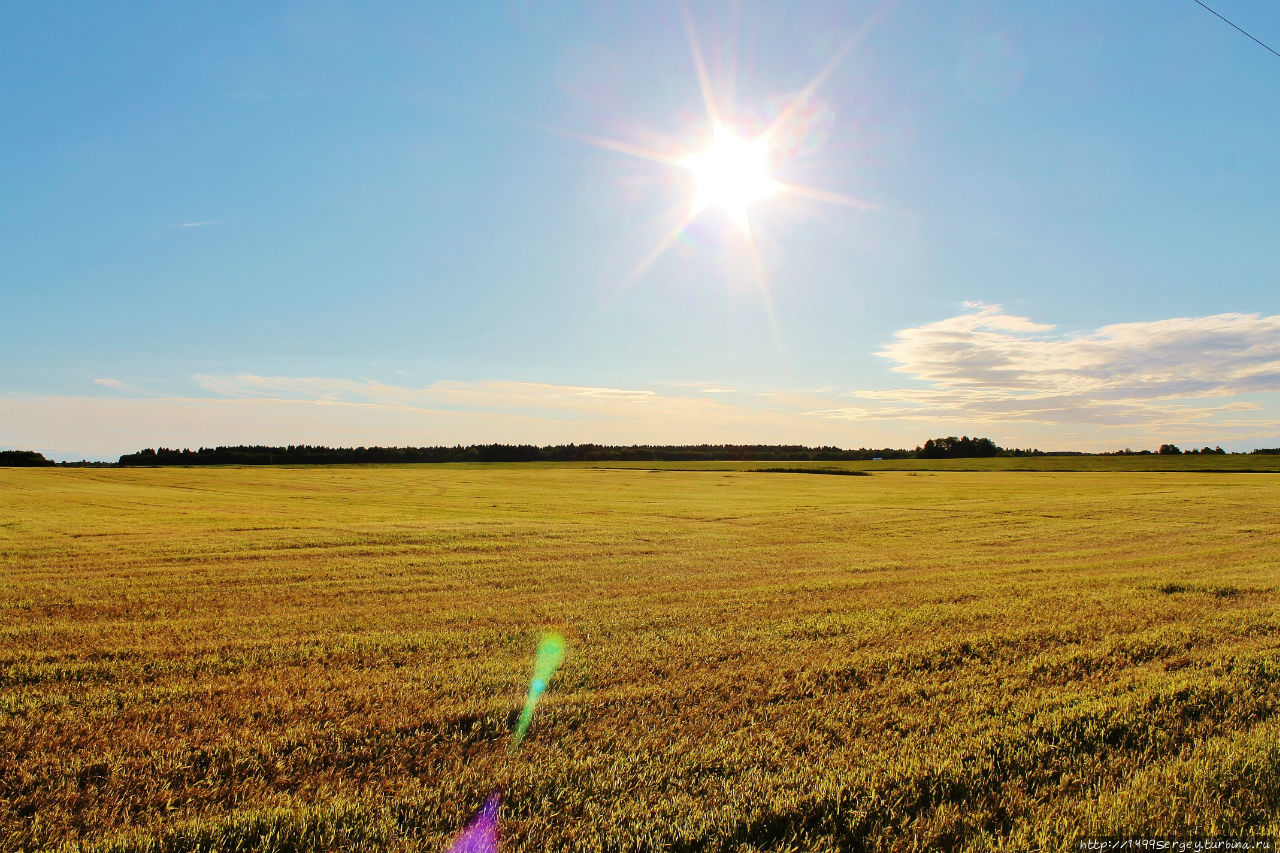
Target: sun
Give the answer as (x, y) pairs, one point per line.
(735, 173)
(732, 173)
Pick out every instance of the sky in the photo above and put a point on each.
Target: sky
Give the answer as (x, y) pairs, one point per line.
(860, 224)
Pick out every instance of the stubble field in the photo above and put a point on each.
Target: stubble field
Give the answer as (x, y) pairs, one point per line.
(288, 659)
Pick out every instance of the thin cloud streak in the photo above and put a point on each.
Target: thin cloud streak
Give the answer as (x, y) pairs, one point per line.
(107, 426)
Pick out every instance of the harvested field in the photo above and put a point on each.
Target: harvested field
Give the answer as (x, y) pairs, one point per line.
(329, 658)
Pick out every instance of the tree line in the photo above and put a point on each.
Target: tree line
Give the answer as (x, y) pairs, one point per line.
(949, 447)
(306, 454)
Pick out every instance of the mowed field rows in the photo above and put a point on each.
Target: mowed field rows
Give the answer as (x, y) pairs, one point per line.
(331, 658)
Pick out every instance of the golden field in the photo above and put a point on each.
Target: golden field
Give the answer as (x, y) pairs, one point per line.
(329, 658)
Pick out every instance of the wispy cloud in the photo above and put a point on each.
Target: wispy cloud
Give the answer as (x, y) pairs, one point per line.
(290, 410)
(1222, 353)
(205, 223)
(302, 388)
(991, 367)
(480, 395)
(119, 385)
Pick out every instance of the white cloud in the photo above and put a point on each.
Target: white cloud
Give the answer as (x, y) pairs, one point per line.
(1184, 356)
(986, 366)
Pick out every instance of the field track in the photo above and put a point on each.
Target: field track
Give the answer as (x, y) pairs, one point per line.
(328, 658)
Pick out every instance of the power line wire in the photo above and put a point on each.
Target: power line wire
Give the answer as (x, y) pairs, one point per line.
(1268, 47)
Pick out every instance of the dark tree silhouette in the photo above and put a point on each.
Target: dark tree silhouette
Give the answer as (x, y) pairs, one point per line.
(957, 448)
(23, 459)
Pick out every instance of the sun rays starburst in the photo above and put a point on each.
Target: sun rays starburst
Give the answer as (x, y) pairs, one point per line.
(734, 170)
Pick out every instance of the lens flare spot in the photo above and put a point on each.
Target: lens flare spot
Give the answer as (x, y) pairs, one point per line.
(481, 835)
(550, 656)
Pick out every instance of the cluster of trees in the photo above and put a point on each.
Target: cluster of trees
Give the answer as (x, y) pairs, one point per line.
(23, 459)
(1174, 450)
(959, 448)
(1169, 450)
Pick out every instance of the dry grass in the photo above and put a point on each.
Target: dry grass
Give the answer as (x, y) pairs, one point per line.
(328, 658)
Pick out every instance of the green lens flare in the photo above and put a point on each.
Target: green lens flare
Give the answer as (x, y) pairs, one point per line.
(550, 654)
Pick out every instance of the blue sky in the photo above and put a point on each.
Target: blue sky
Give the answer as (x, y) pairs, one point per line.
(412, 223)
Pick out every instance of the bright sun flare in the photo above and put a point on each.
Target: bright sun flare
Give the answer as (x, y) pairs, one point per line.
(732, 173)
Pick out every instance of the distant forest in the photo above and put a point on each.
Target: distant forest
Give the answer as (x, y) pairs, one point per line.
(306, 454)
(941, 448)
